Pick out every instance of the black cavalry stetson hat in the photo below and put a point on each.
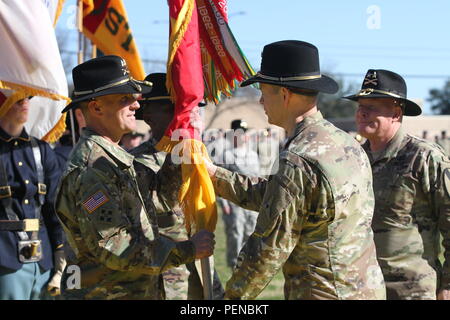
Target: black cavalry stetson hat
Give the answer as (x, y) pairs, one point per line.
(292, 63)
(386, 84)
(102, 76)
(159, 92)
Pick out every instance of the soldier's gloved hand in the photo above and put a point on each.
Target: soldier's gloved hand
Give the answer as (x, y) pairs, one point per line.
(443, 295)
(54, 286)
(204, 244)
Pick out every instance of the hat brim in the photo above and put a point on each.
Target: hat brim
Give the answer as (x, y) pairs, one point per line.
(126, 88)
(412, 109)
(135, 134)
(167, 98)
(139, 113)
(323, 84)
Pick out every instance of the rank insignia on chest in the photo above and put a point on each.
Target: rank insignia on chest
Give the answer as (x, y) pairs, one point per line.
(95, 201)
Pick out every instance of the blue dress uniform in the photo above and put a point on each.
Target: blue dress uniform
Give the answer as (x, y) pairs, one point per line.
(27, 280)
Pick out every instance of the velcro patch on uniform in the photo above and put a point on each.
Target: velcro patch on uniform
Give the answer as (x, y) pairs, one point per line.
(95, 201)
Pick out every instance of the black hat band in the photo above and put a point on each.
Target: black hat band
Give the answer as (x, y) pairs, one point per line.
(114, 84)
(284, 79)
(368, 91)
(156, 98)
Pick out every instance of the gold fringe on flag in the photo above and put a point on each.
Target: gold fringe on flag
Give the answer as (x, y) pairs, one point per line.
(196, 195)
(21, 92)
(57, 131)
(58, 11)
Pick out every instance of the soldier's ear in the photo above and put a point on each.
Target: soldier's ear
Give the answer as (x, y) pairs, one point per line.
(398, 113)
(286, 94)
(94, 107)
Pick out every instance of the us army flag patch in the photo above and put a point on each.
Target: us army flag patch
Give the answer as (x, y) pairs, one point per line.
(96, 200)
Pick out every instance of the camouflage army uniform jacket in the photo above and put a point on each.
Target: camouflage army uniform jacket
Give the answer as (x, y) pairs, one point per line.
(314, 219)
(170, 218)
(411, 180)
(114, 237)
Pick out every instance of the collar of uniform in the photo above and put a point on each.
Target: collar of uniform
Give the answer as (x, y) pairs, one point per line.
(7, 138)
(148, 146)
(306, 122)
(392, 147)
(152, 144)
(142, 149)
(153, 141)
(113, 150)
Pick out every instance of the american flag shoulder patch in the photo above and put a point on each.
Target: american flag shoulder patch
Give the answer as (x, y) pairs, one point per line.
(96, 200)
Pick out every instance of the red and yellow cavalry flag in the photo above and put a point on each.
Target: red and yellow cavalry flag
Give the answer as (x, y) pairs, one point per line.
(204, 61)
(105, 23)
(31, 65)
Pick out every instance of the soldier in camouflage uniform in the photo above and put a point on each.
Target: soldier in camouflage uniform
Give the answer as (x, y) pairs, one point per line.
(114, 236)
(183, 282)
(170, 220)
(411, 181)
(315, 214)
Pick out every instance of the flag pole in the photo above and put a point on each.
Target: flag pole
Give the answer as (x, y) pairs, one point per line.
(94, 51)
(206, 262)
(80, 60)
(80, 31)
(207, 279)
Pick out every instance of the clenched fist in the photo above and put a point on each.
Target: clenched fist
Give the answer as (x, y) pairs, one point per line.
(204, 244)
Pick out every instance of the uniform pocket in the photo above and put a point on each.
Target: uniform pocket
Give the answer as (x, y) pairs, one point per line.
(400, 195)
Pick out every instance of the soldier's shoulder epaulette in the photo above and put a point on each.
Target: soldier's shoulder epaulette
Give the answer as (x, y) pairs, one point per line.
(147, 161)
(71, 175)
(79, 156)
(96, 152)
(99, 161)
(425, 147)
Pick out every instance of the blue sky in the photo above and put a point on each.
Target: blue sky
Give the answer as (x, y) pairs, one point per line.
(411, 37)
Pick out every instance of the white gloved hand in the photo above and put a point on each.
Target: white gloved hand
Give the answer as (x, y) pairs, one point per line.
(54, 285)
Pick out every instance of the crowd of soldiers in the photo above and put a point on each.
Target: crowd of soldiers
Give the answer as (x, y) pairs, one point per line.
(341, 219)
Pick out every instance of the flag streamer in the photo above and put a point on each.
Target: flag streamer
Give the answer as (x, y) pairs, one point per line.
(224, 63)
